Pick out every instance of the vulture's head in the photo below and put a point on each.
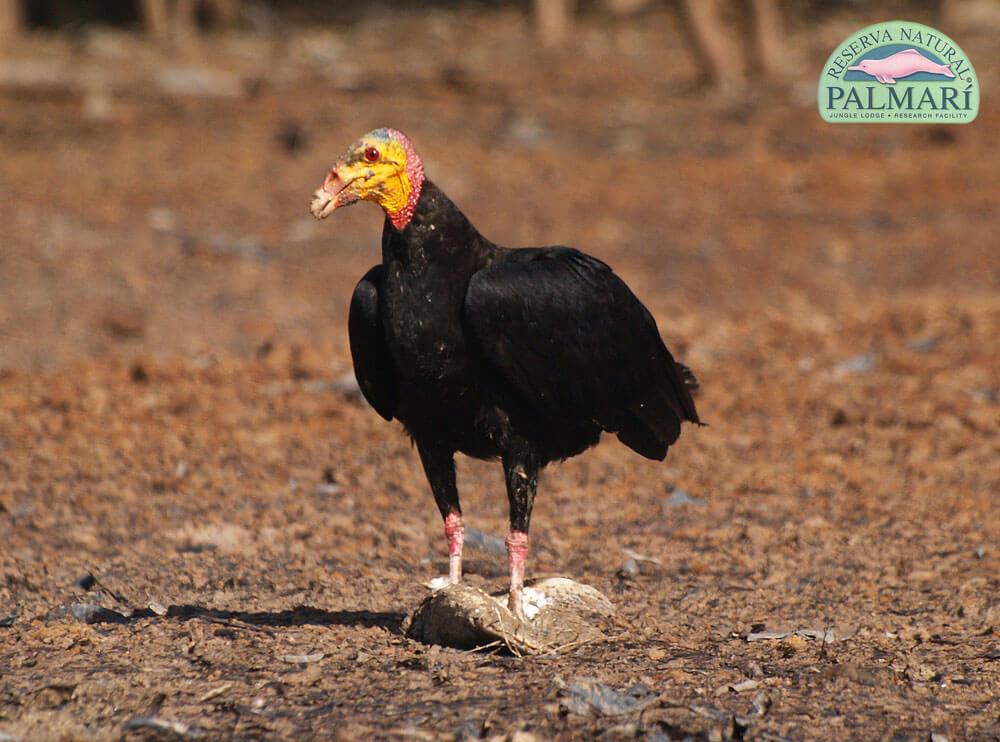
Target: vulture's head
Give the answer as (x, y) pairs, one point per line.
(382, 167)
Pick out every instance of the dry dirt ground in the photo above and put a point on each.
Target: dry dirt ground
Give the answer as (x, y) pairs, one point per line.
(202, 529)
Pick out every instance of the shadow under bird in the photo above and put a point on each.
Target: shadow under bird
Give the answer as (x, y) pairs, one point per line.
(525, 354)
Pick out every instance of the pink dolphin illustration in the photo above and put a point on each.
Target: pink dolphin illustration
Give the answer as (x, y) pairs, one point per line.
(900, 64)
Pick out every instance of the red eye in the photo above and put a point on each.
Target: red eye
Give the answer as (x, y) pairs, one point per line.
(372, 154)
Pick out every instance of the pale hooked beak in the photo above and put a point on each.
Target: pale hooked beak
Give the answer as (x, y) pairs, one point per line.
(327, 198)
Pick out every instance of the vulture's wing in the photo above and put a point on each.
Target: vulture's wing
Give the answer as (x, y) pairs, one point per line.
(574, 341)
(372, 362)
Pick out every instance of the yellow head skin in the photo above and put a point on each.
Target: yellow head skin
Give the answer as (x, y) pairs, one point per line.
(380, 167)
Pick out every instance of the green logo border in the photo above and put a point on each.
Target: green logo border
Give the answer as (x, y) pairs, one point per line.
(874, 102)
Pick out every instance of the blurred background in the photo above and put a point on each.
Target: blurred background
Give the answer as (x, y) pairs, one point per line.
(178, 416)
(157, 156)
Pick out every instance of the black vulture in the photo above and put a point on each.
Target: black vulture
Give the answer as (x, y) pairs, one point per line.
(523, 355)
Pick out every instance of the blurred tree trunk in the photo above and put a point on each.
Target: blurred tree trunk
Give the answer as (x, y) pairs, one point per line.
(180, 17)
(947, 14)
(715, 47)
(10, 20)
(227, 12)
(554, 19)
(768, 32)
(156, 17)
(185, 21)
(625, 7)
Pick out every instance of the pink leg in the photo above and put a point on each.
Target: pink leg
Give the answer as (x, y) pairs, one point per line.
(454, 529)
(517, 557)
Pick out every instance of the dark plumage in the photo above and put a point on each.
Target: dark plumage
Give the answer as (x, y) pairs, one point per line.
(525, 355)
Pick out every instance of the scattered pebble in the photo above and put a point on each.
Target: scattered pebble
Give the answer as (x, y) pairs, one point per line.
(124, 321)
(476, 539)
(861, 364)
(7, 621)
(924, 345)
(302, 230)
(302, 659)
(90, 613)
(198, 82)
(584, 696)
(347, 386)
(681, 497)
(526, 131)
(161, 219)
(825, 635)
(215, 692)
(985, 394)
(761, 704)
(178, 728)
(292, 136)
(629, 569)
(641, 557)
(437, 583)
(158, 608)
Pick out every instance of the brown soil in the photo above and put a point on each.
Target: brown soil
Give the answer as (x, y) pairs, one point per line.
(173, 419)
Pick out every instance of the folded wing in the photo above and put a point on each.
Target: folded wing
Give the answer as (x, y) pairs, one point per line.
(574, 341)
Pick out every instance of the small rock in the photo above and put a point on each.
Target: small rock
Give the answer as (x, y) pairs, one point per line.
(476, 539)
(97, 106)
(302, 230)
(760, 636)
(198, 82)
(292, 136)
(438, 583)
(158, 608)
(468, 729)
(629, 569)
(681, 497)
(985, 394)
(526, 131)
(924, 345)
(161, 220)
(138, 374)
(7, 621)
(245, 247)
(920, 672)
(585, 695)
(124, 321)
(302, 659)
(796, 642)
(89, 613)
(761, 704)
(657, 654)
(346, 385)
(861, 364)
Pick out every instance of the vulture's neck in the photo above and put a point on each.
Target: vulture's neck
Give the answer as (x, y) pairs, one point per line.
(437, 233)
